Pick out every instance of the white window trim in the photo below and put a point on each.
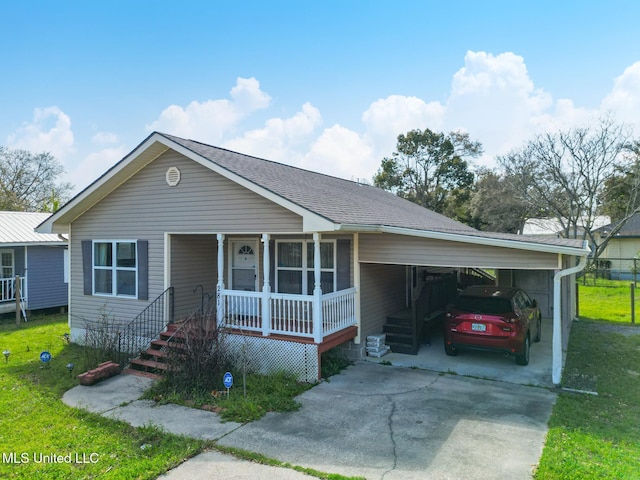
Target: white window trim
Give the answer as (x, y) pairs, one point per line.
(13, 262)
(65, 256)
(114, 269)
(305, 269)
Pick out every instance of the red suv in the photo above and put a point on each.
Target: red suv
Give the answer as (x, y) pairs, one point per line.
(503, 319)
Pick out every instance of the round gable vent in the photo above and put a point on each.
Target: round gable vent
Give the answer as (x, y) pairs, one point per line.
(173, 176)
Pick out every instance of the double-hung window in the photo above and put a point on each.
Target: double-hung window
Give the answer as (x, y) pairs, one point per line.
(115, 268)
(7, 264)
(295, 267)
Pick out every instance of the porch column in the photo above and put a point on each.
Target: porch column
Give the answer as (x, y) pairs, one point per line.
(266, 286)
(317, 291)
(220, 284)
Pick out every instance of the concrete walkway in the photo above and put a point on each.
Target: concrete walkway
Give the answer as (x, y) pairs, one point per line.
(371, 420)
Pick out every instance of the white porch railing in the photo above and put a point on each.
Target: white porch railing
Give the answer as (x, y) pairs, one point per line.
(7, 292)
(242, 309)
(289, 314)
(292, 314)
(338, 310)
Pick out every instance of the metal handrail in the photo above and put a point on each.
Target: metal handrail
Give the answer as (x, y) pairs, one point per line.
(206, 310)
(136, 336)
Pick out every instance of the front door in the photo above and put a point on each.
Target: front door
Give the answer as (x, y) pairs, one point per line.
(244, 260)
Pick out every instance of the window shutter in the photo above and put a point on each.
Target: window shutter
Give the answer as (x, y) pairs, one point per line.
(343, 260)
(87, 266)
(143, 269)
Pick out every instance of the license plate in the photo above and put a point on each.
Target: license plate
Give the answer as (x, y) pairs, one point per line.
(478, 327)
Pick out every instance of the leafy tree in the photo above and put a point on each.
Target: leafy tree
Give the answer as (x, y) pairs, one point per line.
(563, 174)
(495, 206)
(621, 196)
(28, 182)
(431, 169)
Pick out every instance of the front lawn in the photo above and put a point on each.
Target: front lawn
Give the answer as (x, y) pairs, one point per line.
(38, 429)
(597, 436)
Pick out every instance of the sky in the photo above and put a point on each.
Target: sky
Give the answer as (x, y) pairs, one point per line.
(323, 85)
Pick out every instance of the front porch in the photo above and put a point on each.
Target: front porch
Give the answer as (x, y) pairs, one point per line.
(8, 296)
(300, 316)
(290, 338)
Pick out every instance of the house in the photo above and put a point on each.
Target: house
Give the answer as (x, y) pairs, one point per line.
(553, 227)
(296, 261)
(40, 259)
(621, 257)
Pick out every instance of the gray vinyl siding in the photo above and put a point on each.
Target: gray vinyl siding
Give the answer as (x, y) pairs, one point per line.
(407, 250)
(382, 292)
(45, 275)
(193, 264)
(145, 207)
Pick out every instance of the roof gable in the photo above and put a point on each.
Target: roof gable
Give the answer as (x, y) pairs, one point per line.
(338, 200)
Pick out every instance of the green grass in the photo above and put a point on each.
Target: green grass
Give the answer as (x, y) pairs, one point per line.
(608, 300)
(273, 393)
(597, 436)
(35, 421)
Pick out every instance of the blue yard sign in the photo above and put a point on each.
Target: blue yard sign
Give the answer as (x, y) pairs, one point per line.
(45, 357)
(227, 379)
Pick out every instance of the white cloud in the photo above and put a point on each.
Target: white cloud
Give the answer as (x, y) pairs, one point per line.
(211, 120)
(492, 97)
(341, 152)
(494, 100)
(278, 139)
(49, 131)
(624, 99)
(94, 165)
(387, 118)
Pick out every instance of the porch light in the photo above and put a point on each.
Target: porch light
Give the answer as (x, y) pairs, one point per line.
(70, 367)
(6, 354)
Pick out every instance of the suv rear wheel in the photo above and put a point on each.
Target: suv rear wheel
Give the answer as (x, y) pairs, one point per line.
(449, 350)
(523, 358)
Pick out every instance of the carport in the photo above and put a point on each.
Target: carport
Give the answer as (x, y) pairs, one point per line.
(545, 267)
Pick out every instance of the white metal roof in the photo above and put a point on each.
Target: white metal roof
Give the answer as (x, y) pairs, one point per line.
(17, 228)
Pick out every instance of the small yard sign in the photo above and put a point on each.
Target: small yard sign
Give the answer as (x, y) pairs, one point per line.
(227, 380)
(45, 357)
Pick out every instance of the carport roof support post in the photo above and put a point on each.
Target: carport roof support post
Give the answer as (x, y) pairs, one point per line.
(556, 368)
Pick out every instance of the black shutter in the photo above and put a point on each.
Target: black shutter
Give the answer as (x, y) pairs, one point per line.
(143, 269)
(87, 266)
(343, 260)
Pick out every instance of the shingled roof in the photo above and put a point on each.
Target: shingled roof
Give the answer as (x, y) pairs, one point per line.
(341, 204)
(338, 200)
(343, 201)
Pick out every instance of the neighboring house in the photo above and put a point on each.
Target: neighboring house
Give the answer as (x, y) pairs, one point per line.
(622, 248)
(40, 259)
(552, 227)
(297, 261)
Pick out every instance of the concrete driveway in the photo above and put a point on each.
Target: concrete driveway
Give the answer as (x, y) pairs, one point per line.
(371, 420)
(399, 423)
